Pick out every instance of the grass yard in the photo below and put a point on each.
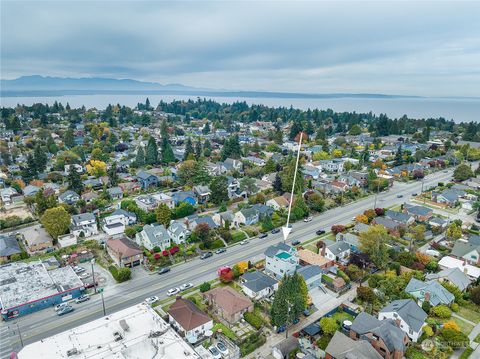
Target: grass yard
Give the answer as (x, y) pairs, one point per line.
(238, 236)
(465, 327)
(341, 316)
(470, 312)
(477, 339)
(466, 353)
(225, 330)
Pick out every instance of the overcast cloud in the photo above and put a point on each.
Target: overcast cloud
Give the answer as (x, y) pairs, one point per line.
(409, 48)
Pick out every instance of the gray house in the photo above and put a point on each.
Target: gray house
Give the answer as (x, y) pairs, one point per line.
(431, 291)
(410, 317)
(451, 275)
(312, 275)
(147, 180)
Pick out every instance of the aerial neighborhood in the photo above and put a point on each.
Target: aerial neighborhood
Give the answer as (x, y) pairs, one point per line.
(169, 219)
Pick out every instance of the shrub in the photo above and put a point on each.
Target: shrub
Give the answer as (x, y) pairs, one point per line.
(205, 287)
(337, 228)
(120, 275)
(451, 324)
(366, 294)
(322, 343)
(441, 311)
(454, 307)
(329, 325)
(454, 338)
(253, 319)
(428, 330)
(426, 307)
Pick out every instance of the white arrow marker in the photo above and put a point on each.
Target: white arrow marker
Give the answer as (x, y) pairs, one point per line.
(287, 229)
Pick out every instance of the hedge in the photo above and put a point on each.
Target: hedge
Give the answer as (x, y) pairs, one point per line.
(120, 275)
(253, 319)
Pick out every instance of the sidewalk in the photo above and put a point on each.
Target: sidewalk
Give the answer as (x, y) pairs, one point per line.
(275, 338)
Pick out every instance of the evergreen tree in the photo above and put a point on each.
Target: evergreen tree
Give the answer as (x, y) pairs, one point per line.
(231, 148)
(290, 300)
(309, 129)
(167, 152)
(206, 128)
(277, 184)
(321, 135)
(30, 171)
(51, 146)
(140, 158)
(69, 139)
(147, 104)
(399, 156)
(295, 129)
(219, 190)
(74, 181)
(41, 158)
(270, 166)
(188, 149)
(151, 153)
(198, 149)
(113, 175)
(207, 148)
(287, 175)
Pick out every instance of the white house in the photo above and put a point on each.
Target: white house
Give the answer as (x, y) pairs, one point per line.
(164, 198)
(85, 223)
(189, 320)
(277, 203)
(281, 259)
(178, 232)
(408, 316)
(451, 262)
(336, 251)
(153, 236)
(6, 194)
(257, 285)
(116, 223)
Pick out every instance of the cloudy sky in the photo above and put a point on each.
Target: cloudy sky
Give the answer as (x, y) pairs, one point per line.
(410, 48)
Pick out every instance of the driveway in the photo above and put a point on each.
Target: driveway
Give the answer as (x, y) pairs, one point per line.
(321, 298)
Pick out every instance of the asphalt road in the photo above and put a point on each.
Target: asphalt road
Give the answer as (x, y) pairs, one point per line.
(45, 323)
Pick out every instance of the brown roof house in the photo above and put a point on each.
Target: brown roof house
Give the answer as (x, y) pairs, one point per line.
(124, 252)
(187, 319)
(228, 304)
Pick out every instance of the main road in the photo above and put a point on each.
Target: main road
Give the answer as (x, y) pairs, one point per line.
(45, 323)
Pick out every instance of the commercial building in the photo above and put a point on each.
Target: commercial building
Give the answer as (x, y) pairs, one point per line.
(28, 287)
(135, 332)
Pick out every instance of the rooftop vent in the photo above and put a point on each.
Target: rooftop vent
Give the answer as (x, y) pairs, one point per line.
(72, 352)
(117, 336)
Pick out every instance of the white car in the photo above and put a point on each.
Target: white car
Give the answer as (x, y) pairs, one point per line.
(151, 300)
(60, 306)
(173, 291)
(85, 275)
(185, 286)
(244, 242)
(308, 219)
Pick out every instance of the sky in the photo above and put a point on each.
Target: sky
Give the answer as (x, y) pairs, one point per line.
(405, 48)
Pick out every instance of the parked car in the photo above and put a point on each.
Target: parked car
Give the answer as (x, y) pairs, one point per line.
(263, 235)
(222, 348)
(65, 310)
(220, 250)
(399, 195)
(173, 291)
(60, 306)
(281, 329)
(85, 275)
(244, 242)
(308, 219)
(275, 231)
(78, 269)
(164, 270)
(82, 298)
(151, 300)
(206, 255)
(215, 353)
(414, 194)
(320, 232)
(185, 286)
(296, 242)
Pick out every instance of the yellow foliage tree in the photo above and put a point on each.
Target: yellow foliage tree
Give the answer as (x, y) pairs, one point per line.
(451, 324)
(321, 155)
(337, 153)
(242, 266)
(362, 218)
(423, 258)
(97, 168)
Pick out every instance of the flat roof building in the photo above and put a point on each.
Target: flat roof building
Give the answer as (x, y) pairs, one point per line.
(28, 287)
(135, 332)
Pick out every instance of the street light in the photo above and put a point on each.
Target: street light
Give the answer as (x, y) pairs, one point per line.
(103, 302)
(92, 262)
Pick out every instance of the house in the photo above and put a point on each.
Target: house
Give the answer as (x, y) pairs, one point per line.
(448, 197)
(115, 193)
(336, 251)
(178, 232)
(116, 223)
(30, 190)
(283, 349)
(420, 213)
(351, 239)
(84, 225)
(221, 219)
(263, 210)
(453, 276)
(452, 262)
(147, 180)
(228, 304)
(231, 164)
(7, 194)
(184, 196)
(8, 247)
(437, 222)
(233, 187)
(68, 197)
(343, 347)
(277, 203)
(400, 217)
(408, 315)
(257, 285)
(307, 257)
(470, 251)
(153, 235)
(194, 220)
(312, 275)
(384, 335)
(146, 202)
(392, 226)
(187, 319)
(332, 166)
(431, 291)
(124, 252)
(203, 193)
(280, 260)
(246, 216)
(67, 240)
(89, 196)
(161, 197)
(37, 242)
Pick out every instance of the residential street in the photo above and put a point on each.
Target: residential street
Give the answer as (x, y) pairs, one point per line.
(46, 323)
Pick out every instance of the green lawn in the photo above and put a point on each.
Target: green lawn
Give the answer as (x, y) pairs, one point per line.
(465, 327)
(470, 312)
(341, 316)
(466, 354)
(225, 330)
(238, 236)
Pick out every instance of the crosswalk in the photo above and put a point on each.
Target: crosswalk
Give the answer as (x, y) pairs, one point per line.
(7, 331)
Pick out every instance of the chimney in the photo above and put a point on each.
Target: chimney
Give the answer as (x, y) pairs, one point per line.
(323, 249)
(427, 297)
(397, 322)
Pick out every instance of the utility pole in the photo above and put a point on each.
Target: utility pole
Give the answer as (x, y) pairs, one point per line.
(103, 302)
(19, 334)
(376, 194)
(288, 315)
(92, 262)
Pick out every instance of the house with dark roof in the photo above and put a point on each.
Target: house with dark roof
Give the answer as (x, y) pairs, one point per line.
(228, 304)
(312, 275)
(115, 193)
(392, 226)
(85, 223)
(351, 239)
(124, 252)
(8, 247)
(246, 216)
(68, 197)
(453, 276)
(384, 335)
(420, 213)
(153, 235)
(147, 180)
(257, 285)
(467, 250)
(431, 291)
(343, 347)
(203, 193)
(184, 196)
(188, 320)
(178, 231)
(336, 251)
(281, 259)
(408, 316)
(448, 197)
(400, 217)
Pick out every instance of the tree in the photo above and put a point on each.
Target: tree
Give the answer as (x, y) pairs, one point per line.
(42, 202)
(338, 228)
(270, 166)
(182, 210)
(374, 243)
(207, 148)
(315, 202)
(96, 168)
(189, 151)
(454, 231)
(462, 172)
(56, 221)
(74, 181)
(287, 175)
(164, 214)
(454, 338)
(355, 130)
(140, 158)
(267, 224)
(475, 294)
(206, 128)
(441, 311)
(30, 171)
(203, 233)
(277, 184)
(227, 275)
(366, 294)
(329, 325)
(41, 158)
(167, 152)
(151, 152)
(113, 175)
(69, 139)
(219, 190)
(231, 148)
(290, 300)
(204, 287)
(248, 185)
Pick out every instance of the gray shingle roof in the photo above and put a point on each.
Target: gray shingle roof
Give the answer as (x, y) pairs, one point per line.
(438, 294)
(454, 276)
(343, 347)
(9, 246)
(309, 271)
(77, 218)
(418, 210)
(274, 249)
(338, 247)
(409, 311)
(461, 248)
(398, 216)
(257, 281)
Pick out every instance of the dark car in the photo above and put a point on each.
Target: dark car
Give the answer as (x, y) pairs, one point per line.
(263, 235)
(296, 242)
(320, 232)
(206, 255)
(164, 270)
(90, 285)
(275, 231)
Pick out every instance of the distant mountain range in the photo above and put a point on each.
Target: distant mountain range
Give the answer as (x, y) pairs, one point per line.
(36, 85)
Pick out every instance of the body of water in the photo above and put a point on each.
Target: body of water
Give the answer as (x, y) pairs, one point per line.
(458, 109)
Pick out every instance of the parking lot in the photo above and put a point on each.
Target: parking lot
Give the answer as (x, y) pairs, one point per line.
(102, 276)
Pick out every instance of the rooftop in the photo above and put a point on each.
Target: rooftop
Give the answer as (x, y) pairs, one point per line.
(283, 255)
(131, 333)
(22, 283)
